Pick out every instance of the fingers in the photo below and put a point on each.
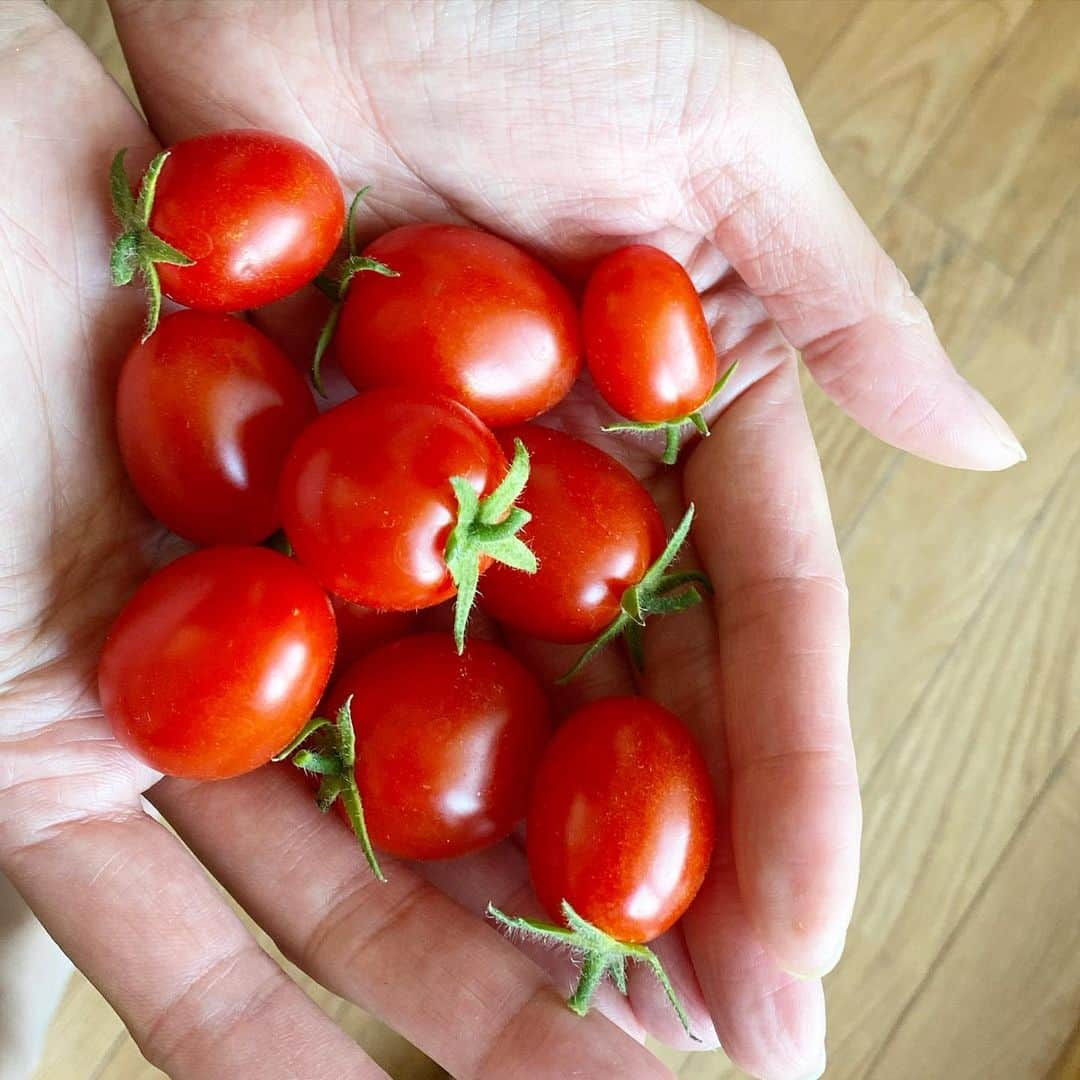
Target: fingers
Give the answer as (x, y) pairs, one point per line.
(770, 1023)
(143, 922)
(443, 978)
(775, 210)
(764, 535)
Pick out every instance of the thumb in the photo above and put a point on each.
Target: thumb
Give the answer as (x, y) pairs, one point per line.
(779, 216)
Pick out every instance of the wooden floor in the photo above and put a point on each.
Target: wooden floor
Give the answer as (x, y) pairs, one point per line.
(955, 126)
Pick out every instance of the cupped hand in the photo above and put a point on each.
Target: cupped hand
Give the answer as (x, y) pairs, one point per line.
(569, 128)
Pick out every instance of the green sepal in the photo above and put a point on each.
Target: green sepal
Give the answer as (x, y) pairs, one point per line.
(657, 593)
(137, 249)
(601, 955)
(336, 285)
(673, 429)
(331, 753)
(487, 527)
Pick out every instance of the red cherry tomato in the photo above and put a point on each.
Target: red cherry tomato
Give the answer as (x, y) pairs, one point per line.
(206, 411)
(217, 661)
(470, 315)
(595, 531)
(362, 630)
(259, 213)
(446, 745)
(366, 499)
(622, 820)
(648, 345)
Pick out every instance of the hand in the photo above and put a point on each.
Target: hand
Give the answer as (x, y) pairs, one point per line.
(570, 129)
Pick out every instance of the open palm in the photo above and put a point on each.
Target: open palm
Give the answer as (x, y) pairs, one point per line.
(570, 128)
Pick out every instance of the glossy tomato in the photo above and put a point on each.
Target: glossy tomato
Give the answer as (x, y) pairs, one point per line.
(446, 745)
(260, 214)
(206, 410)
(648, 346)
(217, 661)
(469, 315)
(362, 630)
(594, 530)
(622, 819)
(366, 499)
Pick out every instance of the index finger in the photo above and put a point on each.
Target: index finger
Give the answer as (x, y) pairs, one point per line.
(765, 536)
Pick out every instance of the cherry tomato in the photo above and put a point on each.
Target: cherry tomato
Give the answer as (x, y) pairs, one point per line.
(648, 345)
(595, 531)
(217, 661)
(206, 410)
(366, 500)
(470, 315)
(362, 630)
(446, 745)
(261, 215)
(622, 819)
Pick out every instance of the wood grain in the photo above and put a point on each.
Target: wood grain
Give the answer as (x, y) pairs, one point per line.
(955, 127)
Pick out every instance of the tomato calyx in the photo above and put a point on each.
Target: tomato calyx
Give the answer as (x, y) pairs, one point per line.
(335, 286)
(487, 527)
(331, 754)
(659, 592)
(673, 429)
(601, 955)
(137, 249)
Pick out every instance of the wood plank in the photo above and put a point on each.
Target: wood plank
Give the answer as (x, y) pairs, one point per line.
(1018, 976)
(83, 1033)
(957, 777)
(916, 586)
(803, 42)
(1004, 173)
(901, 73)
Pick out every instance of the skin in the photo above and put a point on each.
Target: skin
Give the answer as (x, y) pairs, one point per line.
(366, 500)
(551, 140)
(261, 215)
(649, 348)
(217, 661)
(595, 530)
(446, 745)
(206, 410)
(508, 346)
(622, 820)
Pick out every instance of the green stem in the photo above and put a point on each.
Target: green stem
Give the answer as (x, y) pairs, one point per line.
(659, 592)
(593, 968)
(336, 285)
(137, 249)
(674, 428)
(487, 528)
(331, 753)
(601, 955)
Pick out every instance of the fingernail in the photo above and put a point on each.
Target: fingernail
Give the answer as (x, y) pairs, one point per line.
(819, 1068)
(832, 958)
(1002, 432)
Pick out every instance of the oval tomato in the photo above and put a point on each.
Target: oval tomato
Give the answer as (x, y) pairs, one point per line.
(622, 819)
(469, 315)
(362, 630)
(260, 214)
(217, 661)
(366, 499)
(446, 745)
(206, 410)
(595, 531)
(648, 346)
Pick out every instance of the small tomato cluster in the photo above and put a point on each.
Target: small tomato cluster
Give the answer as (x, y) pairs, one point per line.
(431, 745)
